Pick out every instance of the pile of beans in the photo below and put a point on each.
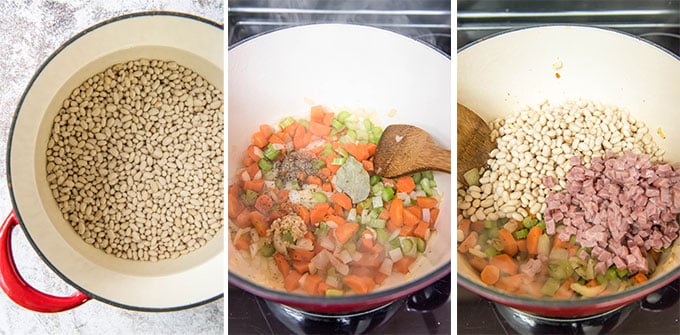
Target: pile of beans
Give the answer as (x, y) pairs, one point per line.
(533, 150)
(135, 159)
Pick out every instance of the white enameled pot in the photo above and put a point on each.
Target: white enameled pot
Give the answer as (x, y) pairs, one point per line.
(186, 281)
(393, 78)
(507, 72)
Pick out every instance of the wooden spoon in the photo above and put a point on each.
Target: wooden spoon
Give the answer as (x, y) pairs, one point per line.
(474, 142)
(405, 149)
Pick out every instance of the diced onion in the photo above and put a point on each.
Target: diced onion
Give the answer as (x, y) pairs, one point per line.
(257, 151)
(327, 243)
(303, 279)
(332, 224)
(258, 175)
(403, 196)
(386, 266)
(314, 144)
(377, 202)
(419, 193)
(394, 234)
(303, 244)
(278, 146)
(426, 215)
(245, 176)
(395, 254)
(253, 249)
(333, 281)
(352, 215)
(356, 257)
(341, 267)
(345, 257)
(254, 236)
(319, 260)
(269, 184)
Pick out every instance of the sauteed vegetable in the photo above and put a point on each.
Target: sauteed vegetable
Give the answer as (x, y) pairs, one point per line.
(308, 200)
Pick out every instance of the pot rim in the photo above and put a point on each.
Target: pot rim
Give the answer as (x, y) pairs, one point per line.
(12, 129)
(614, 299)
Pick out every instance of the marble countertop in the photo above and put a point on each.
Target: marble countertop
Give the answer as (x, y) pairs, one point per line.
(29, 32)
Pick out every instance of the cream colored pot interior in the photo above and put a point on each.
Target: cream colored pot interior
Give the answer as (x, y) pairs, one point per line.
(187, 280)
(373, 71)
(506, 73)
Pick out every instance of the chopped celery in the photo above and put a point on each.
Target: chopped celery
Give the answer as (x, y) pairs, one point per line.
(377, 189)
(286, 122)
(587, 291)
(331, 292)
(345, 139)
(490, 224)
(350, 246)
(320, 197)
(550, 287)
(265, 165)
(408, 247)
(267, 250)
(387, 194)
(338, 161)
(560, 269)
(322, 229)
(621, 272)
(327, 149)
(572, 239)
(271, 153)
(610, 274)
(502, 221)
(493, 232)
(417, 177)
(381, 235)
(337, 125)
(471, 177)
(529, 222)
(521, 234)
(343, 116)
(342, 152)
(601, 279)
(375, 179)
(420, 244)
(351, 134)
(395, 243)
(318, 164)
(377, 223)
(541, 224)
(491, 251)
(288, 237)
(374, 137)
(250, 197)
(425, 185)
(428, 174)
(368, 124)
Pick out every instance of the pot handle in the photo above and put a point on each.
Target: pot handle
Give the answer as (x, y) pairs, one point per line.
(18, 289)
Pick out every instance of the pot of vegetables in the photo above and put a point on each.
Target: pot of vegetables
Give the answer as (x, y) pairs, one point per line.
(576, 211)
(310, 223)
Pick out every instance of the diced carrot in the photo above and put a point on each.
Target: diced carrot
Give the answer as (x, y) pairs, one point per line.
(490, 274)
(325, 172)
(409, 218)
(311, 283)
(243, 219)
(358, 284)
(300, 266)
(532, 289)
(234, 190)
(266, 130)
(252, 169)
(259, 222)
(292, 281)
(505, 263)
(391, 226)
(342, 199)
(254, 185)
(300, 255)
(510, 283)
(317, 113)
(403, 264)
(468, 242)
(434, 213)
(384, 214)
(565, 291)
(264, 203)
(252, 154)
(464, 226)
(337, 210)
(318, 212)
(405, 184)
(522, 245)
(407, 230)
(639, 278)
(235, 205)
(328, 118)
(368, 165)
(319, 129)
(303, 212)
(477, 226)
(327, 187)
(363, 271)
(260, 140)
(370, 147)
(247, 161)
(366, 242)
(345, 231)
(359, 151)
(323, 287)
(335, 218)
(532, 239)
(477, 263)
(242, 242)
(379, 277)
(301, 138)
(421, 229)
(312, 179)
(427, 202)
(397, 212)
(415, 210)
(508, 242)
(282, 263)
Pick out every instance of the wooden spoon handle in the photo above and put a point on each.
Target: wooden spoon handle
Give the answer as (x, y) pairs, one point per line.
(439, 159)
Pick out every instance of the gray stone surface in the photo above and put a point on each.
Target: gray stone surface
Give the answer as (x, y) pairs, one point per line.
(29, 32)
